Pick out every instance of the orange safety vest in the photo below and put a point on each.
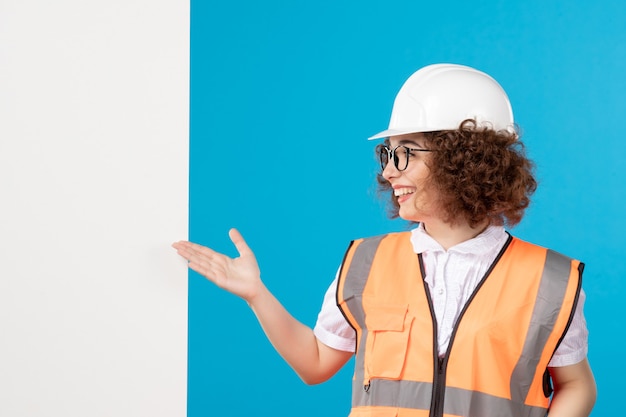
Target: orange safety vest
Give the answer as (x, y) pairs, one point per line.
(497, 359)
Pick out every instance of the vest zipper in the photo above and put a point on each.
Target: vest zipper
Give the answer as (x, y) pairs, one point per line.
(439, 366)
(438, 389)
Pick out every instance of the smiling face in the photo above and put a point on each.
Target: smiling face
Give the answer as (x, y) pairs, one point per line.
(412, 187)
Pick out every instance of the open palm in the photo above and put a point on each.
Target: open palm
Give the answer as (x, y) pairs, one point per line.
(240, 276)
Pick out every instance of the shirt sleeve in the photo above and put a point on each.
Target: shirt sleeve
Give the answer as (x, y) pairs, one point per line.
(574, 346)
(331, 328)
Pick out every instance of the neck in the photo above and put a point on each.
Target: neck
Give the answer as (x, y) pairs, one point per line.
(449, 235)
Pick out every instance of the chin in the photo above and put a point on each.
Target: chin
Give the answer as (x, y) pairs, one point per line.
(409, 217)
(411, 214)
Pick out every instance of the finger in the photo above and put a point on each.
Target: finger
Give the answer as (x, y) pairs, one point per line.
(194, 248)
(205, 269)
(200, 262)
(183, 249)
(193, 252)
(239, 242)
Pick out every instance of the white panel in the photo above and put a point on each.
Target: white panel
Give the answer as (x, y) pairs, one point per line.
(93, 181)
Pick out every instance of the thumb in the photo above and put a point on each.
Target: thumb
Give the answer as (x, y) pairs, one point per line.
(239, 242)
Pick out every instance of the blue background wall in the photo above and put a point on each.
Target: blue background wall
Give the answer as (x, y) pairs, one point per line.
(283, 95)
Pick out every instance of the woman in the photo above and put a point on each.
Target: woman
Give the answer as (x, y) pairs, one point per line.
(455, 317)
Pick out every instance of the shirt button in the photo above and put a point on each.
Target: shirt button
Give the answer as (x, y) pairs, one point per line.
(440, 291)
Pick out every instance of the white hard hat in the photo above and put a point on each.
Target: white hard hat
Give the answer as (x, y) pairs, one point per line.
(441, 96)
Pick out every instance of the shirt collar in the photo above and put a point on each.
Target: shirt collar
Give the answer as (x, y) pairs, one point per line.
(486, 241)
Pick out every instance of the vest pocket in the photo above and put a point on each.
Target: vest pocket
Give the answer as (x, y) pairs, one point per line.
(389, 328)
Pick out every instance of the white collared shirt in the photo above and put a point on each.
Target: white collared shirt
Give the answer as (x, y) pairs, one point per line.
(452, 277)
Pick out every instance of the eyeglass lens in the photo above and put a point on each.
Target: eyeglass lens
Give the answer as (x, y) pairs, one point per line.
(400, 156)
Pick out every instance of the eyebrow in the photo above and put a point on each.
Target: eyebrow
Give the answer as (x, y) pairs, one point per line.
(406, 142)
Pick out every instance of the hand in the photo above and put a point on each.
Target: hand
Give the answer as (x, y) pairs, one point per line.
(240, 276)
(296, 342)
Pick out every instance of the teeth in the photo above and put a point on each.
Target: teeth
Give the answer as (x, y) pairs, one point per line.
(403, 191)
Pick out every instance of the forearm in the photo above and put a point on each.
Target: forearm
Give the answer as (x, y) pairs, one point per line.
(294, 341)
(575, 391)
(572, 403)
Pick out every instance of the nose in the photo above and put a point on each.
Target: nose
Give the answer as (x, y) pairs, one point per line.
(390, 171)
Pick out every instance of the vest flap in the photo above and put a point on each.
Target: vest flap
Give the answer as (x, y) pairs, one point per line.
(387, 317)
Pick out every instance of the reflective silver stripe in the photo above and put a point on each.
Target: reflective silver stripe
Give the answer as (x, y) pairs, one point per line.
(462, 402)
(355, 280)
(360, 266)
(552, 290)
(417, 395)
(388, 393)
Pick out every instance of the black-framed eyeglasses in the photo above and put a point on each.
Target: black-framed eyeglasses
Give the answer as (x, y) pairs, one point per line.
(400, 156)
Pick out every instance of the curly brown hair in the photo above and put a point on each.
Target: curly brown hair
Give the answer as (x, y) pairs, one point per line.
(480, 174)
